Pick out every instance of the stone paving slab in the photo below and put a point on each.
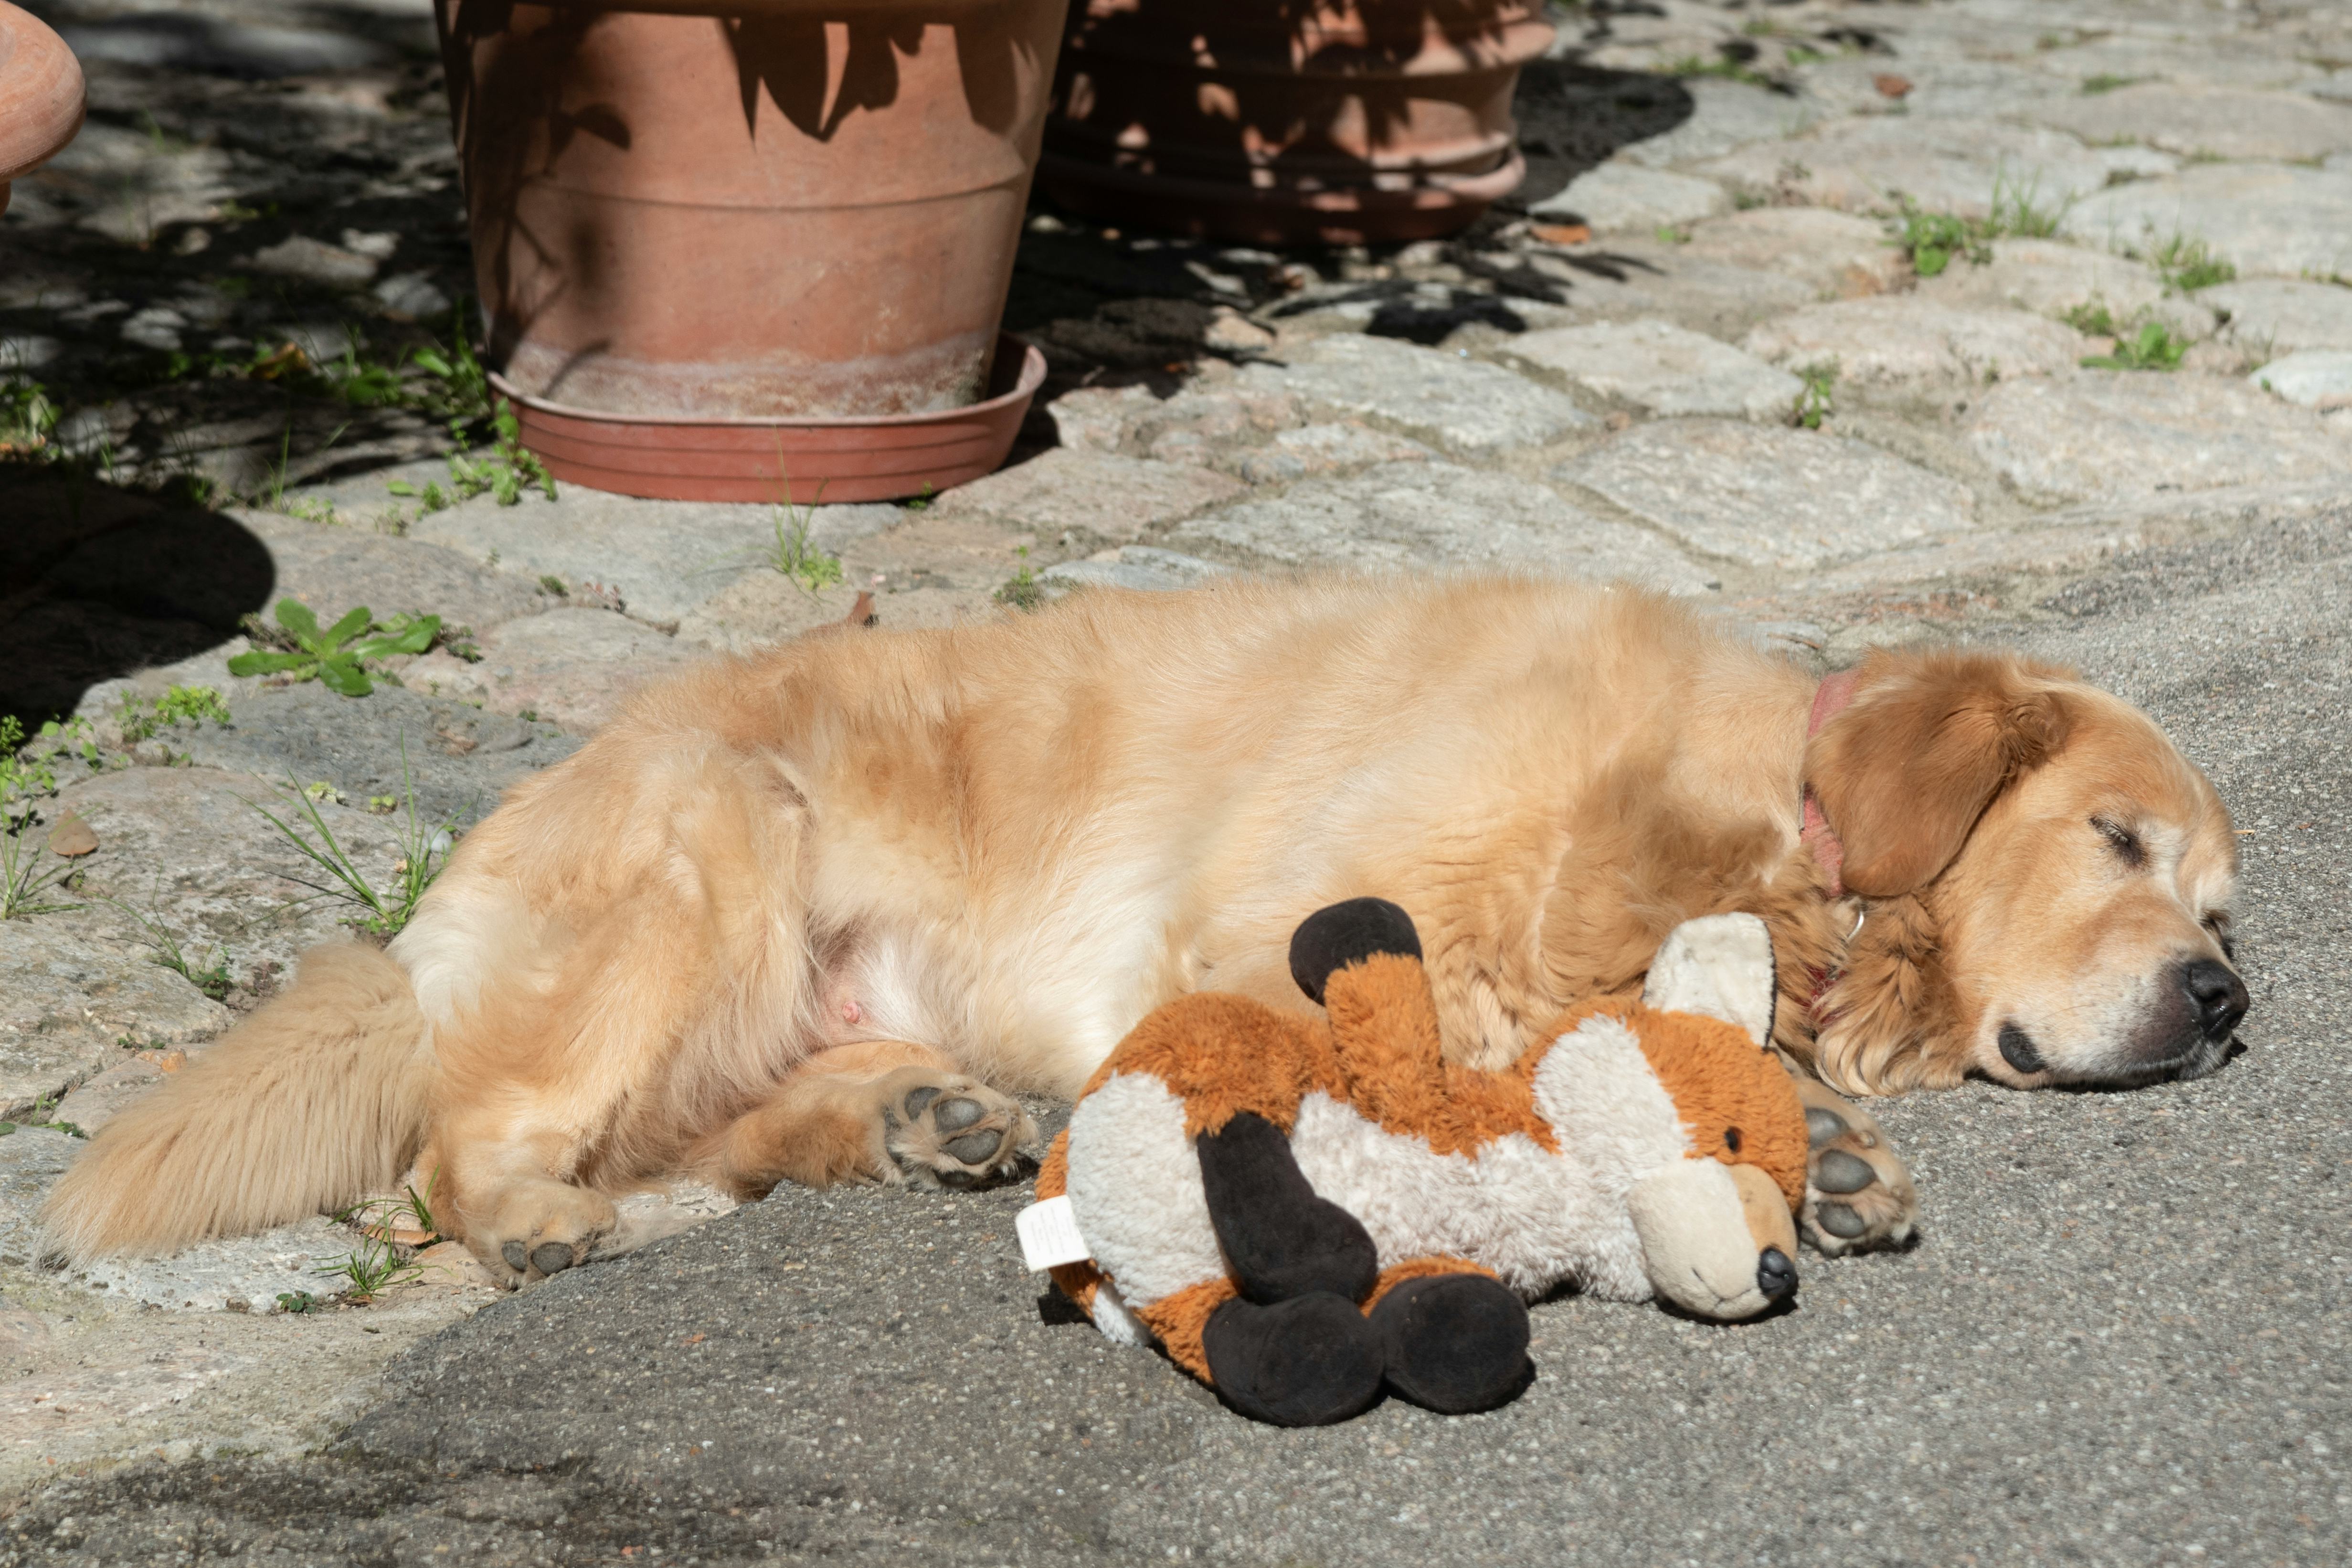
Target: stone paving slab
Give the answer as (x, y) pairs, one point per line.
(2278, 220)
(184, 848)
(2121, 434)
(1661, 368)
(663, 558)
(455, 758)
(1460, 404)
(1625, 196)
(2279, 315)
(332, 570)
(571, 667)
(1945, 165)
(2313, 378)
(1896, 339)
(2049, 278)
(1768, 497)
(1101, 495)
(2205, 121)
(1838, 255)
(73, 994)
(1436, 515)
(1724, 115)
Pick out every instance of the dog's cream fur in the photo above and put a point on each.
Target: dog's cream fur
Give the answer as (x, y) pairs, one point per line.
(730, 931)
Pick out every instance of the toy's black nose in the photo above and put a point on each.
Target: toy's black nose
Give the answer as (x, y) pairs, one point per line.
(2220, 996)
(1775, 1275)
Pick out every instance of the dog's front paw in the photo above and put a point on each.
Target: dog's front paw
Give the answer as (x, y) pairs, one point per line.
(943, 1129)
(1858, 1194)
(540, 1228)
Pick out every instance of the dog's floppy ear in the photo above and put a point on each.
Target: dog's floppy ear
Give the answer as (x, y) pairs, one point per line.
(1905, 769)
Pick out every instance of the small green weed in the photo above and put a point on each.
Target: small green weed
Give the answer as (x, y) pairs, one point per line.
(2093, 320)
(1935, 240)
(369, 1269)
(1724, 67)
(39, 1119)
(30, 768)
(299, 1301)
(1674, 234)
(26, 417)
(143, 717)
(921, 500)
(795, 556)
(1024, 591)
(461, 388)
(503, 473)
(1815, 401)
(1932, 240)
(211, 977)
(2188, 265)
(332, 656)
(2153, 347)
(2106, 81)
(25, 880)
(381, 911)
(411, 1211)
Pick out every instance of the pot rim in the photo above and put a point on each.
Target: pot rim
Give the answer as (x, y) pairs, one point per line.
(1025, 383)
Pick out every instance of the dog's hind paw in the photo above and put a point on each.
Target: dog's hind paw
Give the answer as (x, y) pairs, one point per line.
(1858, 1194)
(944, 1130)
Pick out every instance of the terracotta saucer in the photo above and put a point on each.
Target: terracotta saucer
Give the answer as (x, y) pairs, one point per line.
(883, 458)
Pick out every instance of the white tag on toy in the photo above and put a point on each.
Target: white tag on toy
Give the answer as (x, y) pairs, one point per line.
(1049, 1234)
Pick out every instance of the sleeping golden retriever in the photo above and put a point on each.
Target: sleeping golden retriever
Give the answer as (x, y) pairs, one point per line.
(807, 916)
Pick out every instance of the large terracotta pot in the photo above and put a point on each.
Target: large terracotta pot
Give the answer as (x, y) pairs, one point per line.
(1290, 120)
(40, 96)
(747, 215)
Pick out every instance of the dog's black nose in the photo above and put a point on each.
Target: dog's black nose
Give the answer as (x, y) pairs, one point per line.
(1775, 1275)
(2220, 996)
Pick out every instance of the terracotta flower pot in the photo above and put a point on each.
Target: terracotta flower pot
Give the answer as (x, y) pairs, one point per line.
(696, 216)
(40, 96)
(1290, 120)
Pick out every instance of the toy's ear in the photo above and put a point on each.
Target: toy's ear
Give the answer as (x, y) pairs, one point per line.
(1331, 939)
(1721, 965)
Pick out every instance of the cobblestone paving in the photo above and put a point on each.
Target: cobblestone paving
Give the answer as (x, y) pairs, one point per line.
(1855, 322)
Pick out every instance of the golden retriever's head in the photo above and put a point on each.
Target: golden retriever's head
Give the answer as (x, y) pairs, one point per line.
(2048, 880)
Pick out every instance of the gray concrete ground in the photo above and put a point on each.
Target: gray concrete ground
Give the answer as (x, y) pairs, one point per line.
(2121, 1338)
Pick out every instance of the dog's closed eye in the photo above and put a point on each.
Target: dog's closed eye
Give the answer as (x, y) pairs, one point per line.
(2219, 924)
(2123, 841)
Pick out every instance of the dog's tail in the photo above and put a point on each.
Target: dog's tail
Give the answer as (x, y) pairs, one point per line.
(315, 1100)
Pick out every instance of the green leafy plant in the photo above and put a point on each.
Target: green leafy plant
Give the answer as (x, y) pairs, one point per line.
(795, 557)
(2188, 265)
(1815, 400)
(461, 388)
(297, 1302)
(29, 768)
(142, 718)
(370, 1270)
(503, 473)
(25, 881)
(332, 656)
(1934, 240)
(411, 1211)
(1023, 592)
(2092, 320)
(2106, 81)
(1724, 65)
(26, 417)
(211, 977)
(39, 1117)
(381, 911)
(2153, 347)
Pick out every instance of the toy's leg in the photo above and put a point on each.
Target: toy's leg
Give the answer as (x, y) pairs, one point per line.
(1306, 1362)
(1293, 1348)
(1454, 1339)
(1282, 1241)
(1858, 1192)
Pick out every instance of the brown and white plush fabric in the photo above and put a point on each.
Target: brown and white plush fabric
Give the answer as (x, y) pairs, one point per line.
(1641, 1148)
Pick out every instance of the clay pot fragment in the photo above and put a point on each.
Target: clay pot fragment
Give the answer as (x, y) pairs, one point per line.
(1276, 122)
(41, 100)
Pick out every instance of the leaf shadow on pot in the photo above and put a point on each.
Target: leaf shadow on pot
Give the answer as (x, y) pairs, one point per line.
(792, 56)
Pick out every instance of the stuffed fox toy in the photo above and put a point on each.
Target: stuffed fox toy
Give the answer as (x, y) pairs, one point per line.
(1303, 1211)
